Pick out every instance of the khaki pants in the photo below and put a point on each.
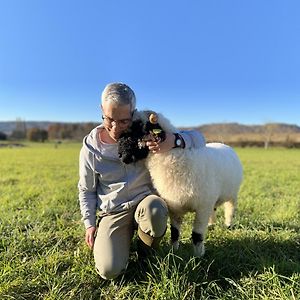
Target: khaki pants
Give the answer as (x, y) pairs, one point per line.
(115, 231)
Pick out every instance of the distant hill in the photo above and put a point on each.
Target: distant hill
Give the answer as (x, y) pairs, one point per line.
(276, 134)
(236, 128)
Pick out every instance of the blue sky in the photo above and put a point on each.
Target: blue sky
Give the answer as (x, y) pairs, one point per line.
(196, 61)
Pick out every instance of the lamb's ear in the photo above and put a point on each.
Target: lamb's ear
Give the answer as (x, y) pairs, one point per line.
(142, 115)
(151, 116)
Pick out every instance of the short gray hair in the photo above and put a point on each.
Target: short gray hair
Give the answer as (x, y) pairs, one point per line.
(119, 93)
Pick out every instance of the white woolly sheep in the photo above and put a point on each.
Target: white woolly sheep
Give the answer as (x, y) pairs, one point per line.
(195, 180)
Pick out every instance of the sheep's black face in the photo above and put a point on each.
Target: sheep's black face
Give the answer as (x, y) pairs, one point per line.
(154, 131)
(132, 143)
(130, 148)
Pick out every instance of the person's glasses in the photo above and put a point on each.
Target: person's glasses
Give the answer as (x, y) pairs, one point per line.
(122, 123)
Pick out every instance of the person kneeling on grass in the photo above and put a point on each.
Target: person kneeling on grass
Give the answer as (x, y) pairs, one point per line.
(122, 195)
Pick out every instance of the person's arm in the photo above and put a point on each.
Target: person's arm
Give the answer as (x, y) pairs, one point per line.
(191, 139)
(87, 195)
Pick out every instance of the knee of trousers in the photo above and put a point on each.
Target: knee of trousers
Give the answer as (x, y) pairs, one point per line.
(156, 219)
(110, 271)
(159, 214)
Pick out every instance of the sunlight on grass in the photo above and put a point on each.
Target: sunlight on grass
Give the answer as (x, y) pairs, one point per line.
(43, 255)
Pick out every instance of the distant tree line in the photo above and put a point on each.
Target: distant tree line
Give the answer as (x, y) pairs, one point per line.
(56, 132)
(3, 136)
(268, 135)
(74, 131)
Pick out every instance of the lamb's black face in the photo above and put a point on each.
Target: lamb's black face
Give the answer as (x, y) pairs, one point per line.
(130, 147)
(131, 144)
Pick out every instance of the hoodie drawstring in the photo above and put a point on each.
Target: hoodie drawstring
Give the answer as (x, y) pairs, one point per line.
(94, 171)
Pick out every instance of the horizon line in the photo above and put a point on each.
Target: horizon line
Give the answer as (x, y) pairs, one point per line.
(182, 126)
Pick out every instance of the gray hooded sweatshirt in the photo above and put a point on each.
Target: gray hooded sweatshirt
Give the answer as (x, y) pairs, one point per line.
(107, 184)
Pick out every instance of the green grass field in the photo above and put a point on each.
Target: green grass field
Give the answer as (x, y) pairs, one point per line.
(43, 254)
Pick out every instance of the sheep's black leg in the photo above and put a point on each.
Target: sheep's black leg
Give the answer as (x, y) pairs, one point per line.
(174, 234)
(197, 238)
(199, 229)
(198, 243)
(175, 230)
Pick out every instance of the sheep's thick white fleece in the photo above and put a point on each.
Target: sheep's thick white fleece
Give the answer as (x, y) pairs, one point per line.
(195, 179)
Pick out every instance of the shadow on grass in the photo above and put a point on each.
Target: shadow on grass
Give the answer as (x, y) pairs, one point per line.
(232, 258)
(228, 258)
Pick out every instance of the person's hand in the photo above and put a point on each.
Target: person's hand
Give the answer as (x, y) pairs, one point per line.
(89, 236)
(160, 147)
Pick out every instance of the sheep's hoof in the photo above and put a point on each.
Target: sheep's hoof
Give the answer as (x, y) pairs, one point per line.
(175, 245)
(211, 226)
(231, 227)
(199, 249)
(228, 225)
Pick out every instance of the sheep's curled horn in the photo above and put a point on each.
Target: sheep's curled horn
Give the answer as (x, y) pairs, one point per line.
(153, 118)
